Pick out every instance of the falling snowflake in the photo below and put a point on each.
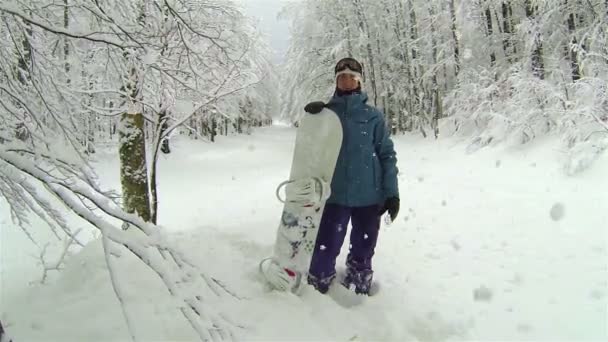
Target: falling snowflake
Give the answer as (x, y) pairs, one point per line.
(322, 247)
(524, 328)
(365, 236)
(482, 294)
(557, 211)
(455, 245)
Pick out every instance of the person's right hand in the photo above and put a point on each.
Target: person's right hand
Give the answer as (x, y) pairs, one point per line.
(314, 107)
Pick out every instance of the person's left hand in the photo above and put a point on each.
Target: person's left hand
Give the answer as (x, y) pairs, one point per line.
(391, 205)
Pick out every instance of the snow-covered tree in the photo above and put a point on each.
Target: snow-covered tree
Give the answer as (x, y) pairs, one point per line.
(74, 70)
(493, 70)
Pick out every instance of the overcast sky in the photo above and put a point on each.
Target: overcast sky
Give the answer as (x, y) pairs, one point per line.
(277, 31)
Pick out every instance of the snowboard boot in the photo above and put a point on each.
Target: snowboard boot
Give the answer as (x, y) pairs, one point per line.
(359, 281)
(321, 284)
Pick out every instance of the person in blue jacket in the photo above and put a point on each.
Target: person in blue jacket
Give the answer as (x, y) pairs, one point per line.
(363, 188)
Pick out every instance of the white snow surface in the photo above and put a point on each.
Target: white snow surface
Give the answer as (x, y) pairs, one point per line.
(496, 245)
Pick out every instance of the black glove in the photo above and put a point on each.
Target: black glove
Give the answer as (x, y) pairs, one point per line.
(392, 205)
(314, 107)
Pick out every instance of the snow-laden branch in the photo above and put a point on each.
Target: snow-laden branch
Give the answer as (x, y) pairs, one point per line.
(184, 119)
(56, 265)
(66, 72)
(180, 277)
(603, 123)
(108, 252)
(215, 96)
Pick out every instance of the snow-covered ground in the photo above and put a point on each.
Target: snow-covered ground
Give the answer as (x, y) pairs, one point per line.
(495, 245)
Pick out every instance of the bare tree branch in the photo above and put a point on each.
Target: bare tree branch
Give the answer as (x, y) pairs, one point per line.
(90, 36)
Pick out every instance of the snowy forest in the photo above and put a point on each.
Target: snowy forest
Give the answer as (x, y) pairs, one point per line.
(492, 71)
(99, 97)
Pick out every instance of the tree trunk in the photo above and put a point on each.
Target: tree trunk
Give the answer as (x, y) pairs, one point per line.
(22, 71)
(90, 134)
(507, 27)
(414, 37)
(66, 47)
(25, 55)
(3, 333)
(213, 131)
(163, 141)
(370, 54)
(408, 104)
(344, 23)
(133, 165)
(163, 122)
(435, 99)
(572, 49)
(132, 150)
(112, 122)
(490, 34)
(417, 72)
(455, 37)
(538, 67)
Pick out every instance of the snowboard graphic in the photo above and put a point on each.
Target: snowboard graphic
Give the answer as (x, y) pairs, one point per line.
(318, 142)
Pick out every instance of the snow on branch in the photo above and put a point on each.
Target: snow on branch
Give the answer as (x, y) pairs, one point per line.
(68, 73)
(91, 36)
(602, 122)
(181, 278)
(58, 263)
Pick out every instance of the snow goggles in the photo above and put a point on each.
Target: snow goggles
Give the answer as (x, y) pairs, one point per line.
(348, 63)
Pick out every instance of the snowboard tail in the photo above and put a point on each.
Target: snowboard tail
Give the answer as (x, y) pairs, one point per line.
(318, 142)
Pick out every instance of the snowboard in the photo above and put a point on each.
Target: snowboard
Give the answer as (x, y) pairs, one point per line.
(317, 145)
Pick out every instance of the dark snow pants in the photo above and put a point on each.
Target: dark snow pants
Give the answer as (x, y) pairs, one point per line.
(332, 231)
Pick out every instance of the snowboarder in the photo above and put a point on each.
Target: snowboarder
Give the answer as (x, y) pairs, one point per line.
(363, 188)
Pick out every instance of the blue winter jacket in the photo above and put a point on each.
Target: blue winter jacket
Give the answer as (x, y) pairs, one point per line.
(366, 170)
